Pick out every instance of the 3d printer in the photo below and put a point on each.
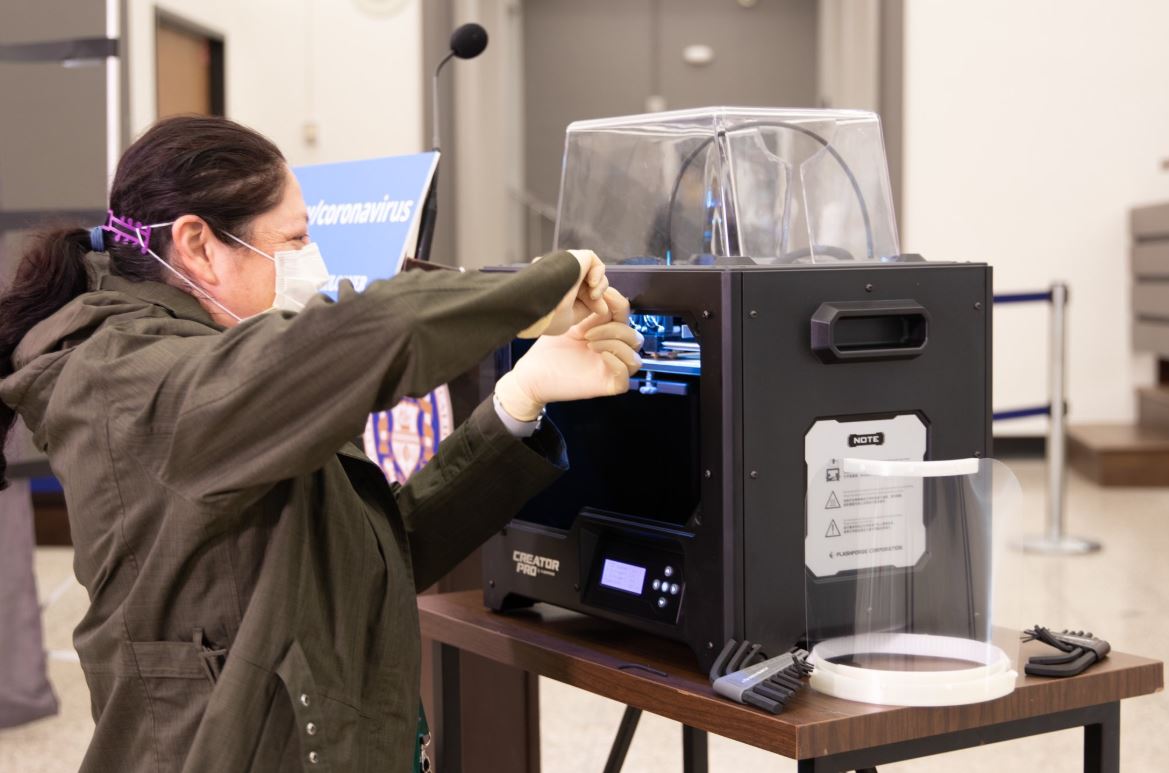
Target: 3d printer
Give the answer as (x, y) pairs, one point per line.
(783, 330)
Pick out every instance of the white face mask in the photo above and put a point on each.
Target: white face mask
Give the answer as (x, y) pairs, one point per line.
(299, 274)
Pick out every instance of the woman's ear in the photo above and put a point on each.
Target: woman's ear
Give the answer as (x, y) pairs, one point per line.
(194, 245)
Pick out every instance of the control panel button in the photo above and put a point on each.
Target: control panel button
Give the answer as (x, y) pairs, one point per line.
(662, 602)
(668, 571)
(674, 589)
(657, 584)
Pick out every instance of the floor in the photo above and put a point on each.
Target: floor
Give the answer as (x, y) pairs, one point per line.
(1121, 593)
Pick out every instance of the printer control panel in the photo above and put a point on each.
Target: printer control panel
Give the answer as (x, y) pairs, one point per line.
(637, 579)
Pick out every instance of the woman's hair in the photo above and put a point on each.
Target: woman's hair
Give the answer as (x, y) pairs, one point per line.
(225, 173)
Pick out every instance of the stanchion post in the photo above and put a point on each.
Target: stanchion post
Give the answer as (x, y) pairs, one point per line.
(1057, 452)
(1056, 541)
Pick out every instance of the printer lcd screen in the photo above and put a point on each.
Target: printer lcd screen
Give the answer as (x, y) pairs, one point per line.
(622, 576)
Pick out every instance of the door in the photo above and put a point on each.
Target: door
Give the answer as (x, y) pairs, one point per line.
(188, 68)
(616, 57)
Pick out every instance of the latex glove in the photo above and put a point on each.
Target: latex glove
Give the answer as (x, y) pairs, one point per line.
(586, 297)
(594, 358)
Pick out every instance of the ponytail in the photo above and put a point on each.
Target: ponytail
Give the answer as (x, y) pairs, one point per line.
(51, 273)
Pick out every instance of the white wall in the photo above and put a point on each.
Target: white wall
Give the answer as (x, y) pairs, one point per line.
(1030, 129)
(291, 62)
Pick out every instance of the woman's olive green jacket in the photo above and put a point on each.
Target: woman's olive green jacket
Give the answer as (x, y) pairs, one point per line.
(251, 574)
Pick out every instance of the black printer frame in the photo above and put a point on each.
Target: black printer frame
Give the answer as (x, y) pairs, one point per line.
(769, 373)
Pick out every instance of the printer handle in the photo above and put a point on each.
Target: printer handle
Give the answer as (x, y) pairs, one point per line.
(852, 331)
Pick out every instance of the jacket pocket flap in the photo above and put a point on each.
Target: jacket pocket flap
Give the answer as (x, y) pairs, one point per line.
(176, 659)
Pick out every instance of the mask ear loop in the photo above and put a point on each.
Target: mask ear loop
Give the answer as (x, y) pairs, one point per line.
(146, 250)
(253, 249)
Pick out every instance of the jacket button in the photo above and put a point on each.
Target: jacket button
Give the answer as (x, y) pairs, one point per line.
(304, 701)
(314, 758)
(311, 728)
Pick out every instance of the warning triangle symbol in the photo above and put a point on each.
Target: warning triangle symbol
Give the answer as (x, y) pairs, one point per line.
(833, 502)
(833, 531)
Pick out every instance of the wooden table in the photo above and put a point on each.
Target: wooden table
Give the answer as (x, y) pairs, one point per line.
(823, 733)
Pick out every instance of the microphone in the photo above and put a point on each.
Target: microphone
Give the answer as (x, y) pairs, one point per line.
(467, 42)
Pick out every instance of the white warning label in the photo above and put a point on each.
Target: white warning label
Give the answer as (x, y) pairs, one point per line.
(858, 521)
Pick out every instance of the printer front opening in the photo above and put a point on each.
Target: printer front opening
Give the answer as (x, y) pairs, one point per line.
(642, 447)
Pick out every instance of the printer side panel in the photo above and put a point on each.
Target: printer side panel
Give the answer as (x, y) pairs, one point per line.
(922, 354)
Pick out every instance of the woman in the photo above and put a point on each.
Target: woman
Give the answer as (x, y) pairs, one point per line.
(252, 575)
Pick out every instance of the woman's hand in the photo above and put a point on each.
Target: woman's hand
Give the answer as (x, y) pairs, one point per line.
(586, 297)
(594, 358)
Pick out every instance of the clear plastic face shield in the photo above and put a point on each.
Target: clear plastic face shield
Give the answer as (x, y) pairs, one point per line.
(898, 581)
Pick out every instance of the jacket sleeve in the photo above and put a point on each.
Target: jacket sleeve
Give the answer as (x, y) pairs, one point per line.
(276, 396)
(480, 477)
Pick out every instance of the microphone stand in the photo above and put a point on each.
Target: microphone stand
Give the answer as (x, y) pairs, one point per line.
(426, 227)
(430, 208)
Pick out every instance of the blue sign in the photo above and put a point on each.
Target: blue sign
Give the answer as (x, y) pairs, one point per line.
(365, 214)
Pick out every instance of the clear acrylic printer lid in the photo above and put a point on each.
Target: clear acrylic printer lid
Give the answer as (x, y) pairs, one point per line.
(710, 185)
